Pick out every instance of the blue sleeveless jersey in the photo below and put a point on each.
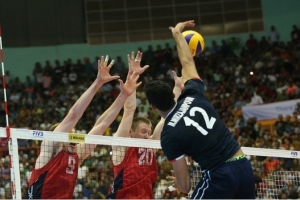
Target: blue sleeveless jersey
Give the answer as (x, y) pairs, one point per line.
(194, 128)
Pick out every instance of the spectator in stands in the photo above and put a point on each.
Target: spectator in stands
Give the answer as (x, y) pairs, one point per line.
(273, 36)
(295, 35)
(38, 73)
(256, 99)
(292, 90)
(4, 173)
(251, 44)
(270, 164)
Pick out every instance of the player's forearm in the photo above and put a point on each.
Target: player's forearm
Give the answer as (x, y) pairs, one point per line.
(157, 131)
(130, 104)
(82, 103)
(125, 125)
(185, 56)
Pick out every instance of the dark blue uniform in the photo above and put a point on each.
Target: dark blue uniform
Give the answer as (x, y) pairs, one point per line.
(194, 128)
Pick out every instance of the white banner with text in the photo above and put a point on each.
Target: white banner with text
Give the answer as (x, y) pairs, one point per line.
(270, 110)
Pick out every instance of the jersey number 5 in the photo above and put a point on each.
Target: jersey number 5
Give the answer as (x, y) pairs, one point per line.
(208, 122)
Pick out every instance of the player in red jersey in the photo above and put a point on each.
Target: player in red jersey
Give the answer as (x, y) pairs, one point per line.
(135, 168)
(56, 168)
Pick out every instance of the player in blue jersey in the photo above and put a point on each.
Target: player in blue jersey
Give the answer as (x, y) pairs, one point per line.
(192, 127)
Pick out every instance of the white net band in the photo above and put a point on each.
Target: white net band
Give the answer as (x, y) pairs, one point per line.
(129, 142)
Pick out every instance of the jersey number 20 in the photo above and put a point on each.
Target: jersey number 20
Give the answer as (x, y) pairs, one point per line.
(208, 122)
(146, 156)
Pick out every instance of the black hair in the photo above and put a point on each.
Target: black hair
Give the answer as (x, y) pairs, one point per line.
(160, 95)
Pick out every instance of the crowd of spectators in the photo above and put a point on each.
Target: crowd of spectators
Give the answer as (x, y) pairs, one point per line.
(235, 74)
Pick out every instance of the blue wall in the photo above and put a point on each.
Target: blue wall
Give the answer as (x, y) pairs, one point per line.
(20, 61)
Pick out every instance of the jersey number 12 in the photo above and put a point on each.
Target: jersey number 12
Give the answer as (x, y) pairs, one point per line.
(208, 122)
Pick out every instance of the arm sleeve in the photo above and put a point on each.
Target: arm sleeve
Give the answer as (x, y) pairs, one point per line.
(193, 85)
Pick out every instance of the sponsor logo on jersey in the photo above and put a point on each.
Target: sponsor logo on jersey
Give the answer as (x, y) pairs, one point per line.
(76, 137)
(181, 111)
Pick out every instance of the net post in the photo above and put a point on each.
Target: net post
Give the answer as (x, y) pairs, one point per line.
(8, 135)
(15, 165)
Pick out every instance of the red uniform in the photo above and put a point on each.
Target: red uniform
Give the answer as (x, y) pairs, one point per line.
(56, 180)
(136, 175)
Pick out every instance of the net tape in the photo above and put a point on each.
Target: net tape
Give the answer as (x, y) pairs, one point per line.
(130, 142)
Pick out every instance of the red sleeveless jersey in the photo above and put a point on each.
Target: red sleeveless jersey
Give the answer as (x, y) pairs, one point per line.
(136, 175)
(56, 180)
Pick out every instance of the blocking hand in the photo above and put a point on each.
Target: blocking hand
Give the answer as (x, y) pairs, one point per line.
(103, 75)
(135, 63)
(131, 84)
(181, 25)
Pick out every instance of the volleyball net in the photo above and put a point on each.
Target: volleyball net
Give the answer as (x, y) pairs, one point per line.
(277, 172)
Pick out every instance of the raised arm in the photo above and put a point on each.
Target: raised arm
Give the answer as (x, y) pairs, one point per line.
(126, 122)
(104, 121)
(48, 148)
(189, 70)
(77, 110)
(157, 130)
(130, 104)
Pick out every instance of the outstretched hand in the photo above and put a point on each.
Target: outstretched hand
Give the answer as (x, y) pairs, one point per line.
(103, 75)
(135, 63)
(181, 25)
(131, 84)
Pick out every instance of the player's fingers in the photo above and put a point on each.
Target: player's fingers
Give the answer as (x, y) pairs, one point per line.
(174, 74)
(132, 55)
(135, 77)
(128, 58)
(111, 63)
(130, 72)
(102, 59)
(121, 82)
(145, 67)
(170, 177)
(115, 77)
(137, 85)
(106, 58)
(139, 56)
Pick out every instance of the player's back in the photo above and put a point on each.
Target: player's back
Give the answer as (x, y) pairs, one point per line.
(56, 180)
(136, 175)
(197, 130)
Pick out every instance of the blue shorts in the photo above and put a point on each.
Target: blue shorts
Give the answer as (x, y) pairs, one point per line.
(233, 180)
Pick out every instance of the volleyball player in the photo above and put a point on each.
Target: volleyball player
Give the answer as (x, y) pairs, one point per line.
(56, 168)
(192, 127)
(135, 168)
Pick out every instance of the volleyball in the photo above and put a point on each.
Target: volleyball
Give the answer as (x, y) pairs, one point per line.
(195, 41)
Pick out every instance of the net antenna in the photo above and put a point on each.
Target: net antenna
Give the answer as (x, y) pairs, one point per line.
(12, 142)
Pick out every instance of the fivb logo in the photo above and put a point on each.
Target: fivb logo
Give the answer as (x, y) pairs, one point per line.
(294, 153)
